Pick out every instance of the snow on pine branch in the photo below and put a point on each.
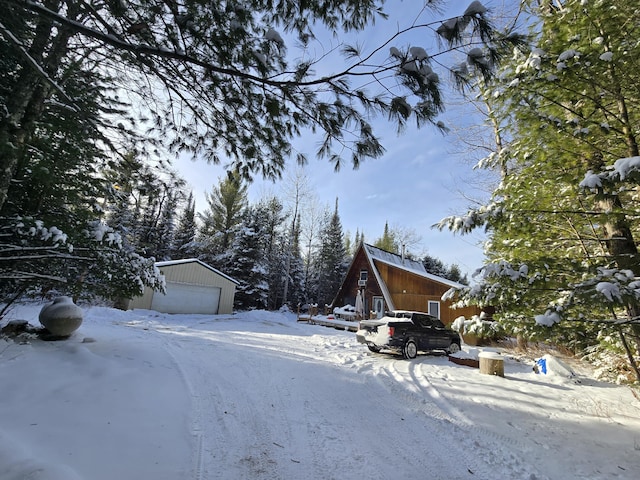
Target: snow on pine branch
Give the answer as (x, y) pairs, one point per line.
(492, 282)
(609, 286)
(471, 220)
(612, 286)
(623, 169)
(101, 232)
(21, 233)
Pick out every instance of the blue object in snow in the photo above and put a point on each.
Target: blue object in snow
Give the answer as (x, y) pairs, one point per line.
(541, 365)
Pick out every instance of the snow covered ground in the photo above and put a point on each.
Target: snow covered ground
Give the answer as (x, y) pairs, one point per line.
(141, 395)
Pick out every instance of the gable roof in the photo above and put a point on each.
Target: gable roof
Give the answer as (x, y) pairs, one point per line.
(169, 263)
(412, 266)
(374, 254)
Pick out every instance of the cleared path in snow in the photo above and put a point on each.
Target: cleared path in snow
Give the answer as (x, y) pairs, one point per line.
(287, 405)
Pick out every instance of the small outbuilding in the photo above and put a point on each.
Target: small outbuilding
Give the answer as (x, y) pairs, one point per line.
(192, 286)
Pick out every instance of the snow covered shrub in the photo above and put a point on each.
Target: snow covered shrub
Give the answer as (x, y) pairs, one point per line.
(478, 326)
(40, 259)
(610, 362)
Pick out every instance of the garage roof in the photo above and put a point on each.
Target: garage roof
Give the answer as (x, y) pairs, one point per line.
(168, 263)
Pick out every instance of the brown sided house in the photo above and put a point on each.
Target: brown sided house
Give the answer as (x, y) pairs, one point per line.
(388, 281)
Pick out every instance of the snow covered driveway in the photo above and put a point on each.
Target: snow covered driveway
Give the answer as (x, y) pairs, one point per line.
(283, 405)
(257, 395)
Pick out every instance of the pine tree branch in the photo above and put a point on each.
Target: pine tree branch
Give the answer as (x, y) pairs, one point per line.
(70, 103)
(148, 50)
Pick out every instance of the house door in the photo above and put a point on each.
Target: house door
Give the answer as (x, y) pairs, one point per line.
(378, 306)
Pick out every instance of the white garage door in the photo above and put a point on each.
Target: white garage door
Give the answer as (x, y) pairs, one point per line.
(181, 298)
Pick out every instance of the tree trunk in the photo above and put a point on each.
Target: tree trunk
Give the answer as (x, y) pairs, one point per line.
(26, 102)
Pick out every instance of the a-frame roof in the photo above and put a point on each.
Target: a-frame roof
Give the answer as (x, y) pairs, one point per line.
(374, 254)
(412, 266)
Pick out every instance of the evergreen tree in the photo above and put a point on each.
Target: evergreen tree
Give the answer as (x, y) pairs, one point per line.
(563, 220)
(455, 274)
(348, 246)
(226, 204)
(387, 242)
(54, 238)
(297, 293)
(248, 263)
(184, 239)
(435, 266)
(142, 204)
(331, 260)
(275, 249)
(297, 191)
(167, 225)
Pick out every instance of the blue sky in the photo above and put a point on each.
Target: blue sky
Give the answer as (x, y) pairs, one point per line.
(414, 185)
(418, 181)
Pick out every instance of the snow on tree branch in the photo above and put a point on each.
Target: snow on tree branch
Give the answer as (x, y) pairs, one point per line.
(623, 169)
(473, 219)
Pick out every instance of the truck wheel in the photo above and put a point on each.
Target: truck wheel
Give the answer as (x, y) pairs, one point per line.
(373, 348)
(453, 348)
(410, 349)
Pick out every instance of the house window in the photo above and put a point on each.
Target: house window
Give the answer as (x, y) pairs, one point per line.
(434, 309)
(378, 306)
(363, 275)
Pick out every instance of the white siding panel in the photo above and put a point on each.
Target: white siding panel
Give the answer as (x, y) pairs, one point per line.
(186, 298)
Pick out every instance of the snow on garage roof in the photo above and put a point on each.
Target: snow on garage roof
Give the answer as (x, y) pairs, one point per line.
(168, 263)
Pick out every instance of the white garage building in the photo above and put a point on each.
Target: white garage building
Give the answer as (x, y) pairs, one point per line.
(192, 286)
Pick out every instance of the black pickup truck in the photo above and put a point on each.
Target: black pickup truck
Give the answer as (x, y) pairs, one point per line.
(407, 333)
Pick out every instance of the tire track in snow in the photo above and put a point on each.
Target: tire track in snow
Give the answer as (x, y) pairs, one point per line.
(196, 410)
(420, 391)
(320, 434)
(244, 434)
